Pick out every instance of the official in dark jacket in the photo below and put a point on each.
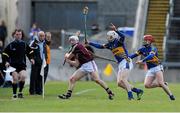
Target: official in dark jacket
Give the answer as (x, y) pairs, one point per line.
(14, 55)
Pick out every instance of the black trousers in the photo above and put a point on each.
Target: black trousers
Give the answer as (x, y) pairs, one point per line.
(35, 80)
(46, 70)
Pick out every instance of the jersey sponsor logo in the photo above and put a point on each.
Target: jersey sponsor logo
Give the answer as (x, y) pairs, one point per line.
(118, 51)
(154, 60)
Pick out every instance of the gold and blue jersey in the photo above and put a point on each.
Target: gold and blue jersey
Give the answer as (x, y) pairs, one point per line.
(117, 47)
(150, 54)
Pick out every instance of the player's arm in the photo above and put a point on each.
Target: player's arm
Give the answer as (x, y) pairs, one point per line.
(69, 56)
(97, 45)
(74, 62)
(134, 55)
(137, 53)
(6, 56)
(121, 35)
(150, 56)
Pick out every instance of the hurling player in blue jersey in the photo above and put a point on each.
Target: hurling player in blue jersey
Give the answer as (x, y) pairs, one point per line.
(116, 45)
(154, 77)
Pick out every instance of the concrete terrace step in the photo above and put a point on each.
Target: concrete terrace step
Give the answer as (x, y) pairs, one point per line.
(157, 23)
(159, 1)
(156, 19)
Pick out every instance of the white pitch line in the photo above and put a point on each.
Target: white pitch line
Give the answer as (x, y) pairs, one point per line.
(84, 91)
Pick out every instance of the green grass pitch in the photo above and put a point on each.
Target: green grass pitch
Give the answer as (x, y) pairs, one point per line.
(89, 97)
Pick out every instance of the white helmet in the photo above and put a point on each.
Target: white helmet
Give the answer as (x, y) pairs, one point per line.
(74, 38)
(111, 35)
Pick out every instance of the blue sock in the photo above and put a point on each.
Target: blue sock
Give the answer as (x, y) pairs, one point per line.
(136, 90)
(130, 95)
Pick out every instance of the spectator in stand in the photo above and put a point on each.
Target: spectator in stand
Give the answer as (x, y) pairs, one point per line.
(34, 32)
(3, 34)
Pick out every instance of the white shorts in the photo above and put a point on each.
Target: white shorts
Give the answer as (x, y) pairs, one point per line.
(152, 71)
(89, 67)
(125, 65)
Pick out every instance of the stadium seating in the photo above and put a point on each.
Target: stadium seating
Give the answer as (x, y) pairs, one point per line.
(173, 37)
(156, 20)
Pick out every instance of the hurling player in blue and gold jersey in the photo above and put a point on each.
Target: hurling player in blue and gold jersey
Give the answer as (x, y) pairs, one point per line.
(154, 77)
(116, 45)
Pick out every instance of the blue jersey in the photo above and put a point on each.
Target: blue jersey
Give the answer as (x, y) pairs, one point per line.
(150, 56)
(117, 47)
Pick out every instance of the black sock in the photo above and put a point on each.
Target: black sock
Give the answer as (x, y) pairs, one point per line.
(69, 92)
(108, 91)
(136, 90)
(21, 85)
(14, 85)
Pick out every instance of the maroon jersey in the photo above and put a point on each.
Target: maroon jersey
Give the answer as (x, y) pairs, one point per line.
(81, 53)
